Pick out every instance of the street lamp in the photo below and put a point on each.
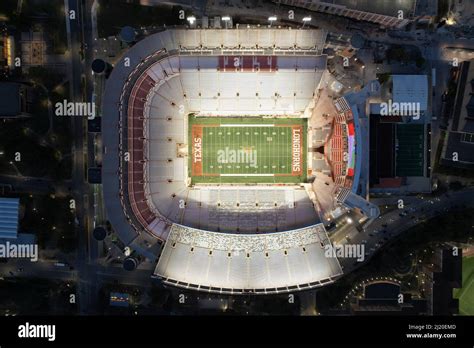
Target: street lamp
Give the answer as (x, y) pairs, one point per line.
(450, 20)
(272, 19)
(306, 19)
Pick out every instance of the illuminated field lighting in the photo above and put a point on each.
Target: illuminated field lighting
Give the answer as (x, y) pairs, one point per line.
(306, 19)
(191, 19)
(272, 19)
(349, 220)
(226, 19)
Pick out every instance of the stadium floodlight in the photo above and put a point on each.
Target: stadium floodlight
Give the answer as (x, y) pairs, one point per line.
(191, 19)
(272, 19)
(226, 19)
(349, 220)
(306, 19)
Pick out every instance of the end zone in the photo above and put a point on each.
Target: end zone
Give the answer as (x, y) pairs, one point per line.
(196, 168)
(296, 150)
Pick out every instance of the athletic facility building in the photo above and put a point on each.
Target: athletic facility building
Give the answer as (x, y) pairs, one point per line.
(210, 165)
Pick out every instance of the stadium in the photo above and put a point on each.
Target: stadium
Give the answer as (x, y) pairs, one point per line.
(219, 164)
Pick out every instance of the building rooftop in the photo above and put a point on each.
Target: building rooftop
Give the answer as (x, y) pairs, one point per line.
(411, 89)
(384, 7)
(9, 212)
(118, 299)
(463, 114)
(10, 105)
(461, 136)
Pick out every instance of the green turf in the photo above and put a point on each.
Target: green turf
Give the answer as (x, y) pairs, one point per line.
(466, 293)
(255, 153)
(410, 152)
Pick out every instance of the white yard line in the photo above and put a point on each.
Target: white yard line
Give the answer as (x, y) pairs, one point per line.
(247, 125)
(247, 174)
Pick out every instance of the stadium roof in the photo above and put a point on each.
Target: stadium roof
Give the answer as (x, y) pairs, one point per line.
(9, 211)
(258, 263)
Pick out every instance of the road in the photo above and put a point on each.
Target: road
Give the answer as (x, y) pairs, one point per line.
(24, 268)
(79, 36)
(391, 225)
(28, 184)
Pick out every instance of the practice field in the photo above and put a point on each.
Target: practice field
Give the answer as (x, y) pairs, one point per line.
(247, 150)
(466, 293)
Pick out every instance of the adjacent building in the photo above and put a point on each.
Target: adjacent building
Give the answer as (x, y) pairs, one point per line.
(459, 143)
(9, 216)
(383, 13)
(400, 129)
(386, 298)
(7, 49)
(445, 274)
(15, 100)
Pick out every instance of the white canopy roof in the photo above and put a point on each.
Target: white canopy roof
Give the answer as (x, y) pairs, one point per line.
(260, 263)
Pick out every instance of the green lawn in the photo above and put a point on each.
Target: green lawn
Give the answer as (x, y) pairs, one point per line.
(247, 150)
(466, 293)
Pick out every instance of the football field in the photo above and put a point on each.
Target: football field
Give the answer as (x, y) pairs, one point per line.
(247, 150)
